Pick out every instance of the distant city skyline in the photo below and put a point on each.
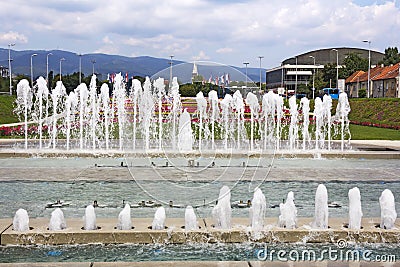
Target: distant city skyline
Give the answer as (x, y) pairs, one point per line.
(227, 32)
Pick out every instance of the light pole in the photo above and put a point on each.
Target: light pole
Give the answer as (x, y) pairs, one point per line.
(369, 65)
(61, 60)
(313, 78)
(260, 57)
(80, 68)
(295, 85)
(337, 68)
(170, 71)
(47, 68)
(93, 62)
(246, 63)
(33, 55)
(9, 65)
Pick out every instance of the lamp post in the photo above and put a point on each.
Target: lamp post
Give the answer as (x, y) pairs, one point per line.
(170, 71)
(9, 65)
(61, 60)
(33, 55)
(313, 78)
(246, 63)
(47, 69)
(337, 68)
(93, 62)
(369, 65)
(80, 68)
(295, 85)
(260, 57)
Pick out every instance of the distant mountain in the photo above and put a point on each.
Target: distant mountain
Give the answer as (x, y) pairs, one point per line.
(103, 64)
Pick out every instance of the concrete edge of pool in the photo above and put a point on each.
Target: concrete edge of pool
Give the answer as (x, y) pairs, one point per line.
(175, 234)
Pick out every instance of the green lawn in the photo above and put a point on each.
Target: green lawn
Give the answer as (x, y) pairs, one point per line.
(6, 109)
(359, 132)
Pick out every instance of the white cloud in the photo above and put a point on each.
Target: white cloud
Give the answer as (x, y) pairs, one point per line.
(201, 56)
(224, 50)
(12, 37)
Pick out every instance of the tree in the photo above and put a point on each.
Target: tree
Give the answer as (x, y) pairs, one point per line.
(352, 63)
(329, 73)
(392, 56)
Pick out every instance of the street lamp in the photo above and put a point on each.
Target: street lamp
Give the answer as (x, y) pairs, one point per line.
(33, 55)
(170, 72)
(260, 57)
(369, 65)
(93, 62)
(337, 68)
(295, 85)
(47, 68)
(246, 63)
(9, 65)
(61, 60)
(80, 68)
(313, 78)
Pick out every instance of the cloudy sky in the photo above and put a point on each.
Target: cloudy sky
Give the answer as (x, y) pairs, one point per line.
(225, 31)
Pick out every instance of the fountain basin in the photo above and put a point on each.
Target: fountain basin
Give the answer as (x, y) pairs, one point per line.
(174, 234)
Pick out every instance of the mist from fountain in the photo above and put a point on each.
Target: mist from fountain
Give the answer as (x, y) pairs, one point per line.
(342, 113)
(222, 212)
(90, 218)
(257, 211)
(24, 104)
(388, 209)
(159, 219)
(57, 220)
(21, 221)
(146, 111)
(226, 125)
(104, 105)
(119, 98)
(124, 218)
(190, 219)
(202, 111)
(321, 208)
(355, 211)
(213, 98)
(41, 99)
(252, 101)
(288, 216)
(70, 107)
(305, 108)
(185, 134)
(293, 127)
(238, 106)
(176, 109)
(83, 93)
(57, 99)
(159, 92)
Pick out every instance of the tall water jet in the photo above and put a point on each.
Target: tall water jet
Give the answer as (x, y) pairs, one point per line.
(355, 212)
(388, 209)
(90, 218)
(57, 100)
(319, 123)
(159, 219)
(176, 109)
(24, 104)
(57, 220)
(159, 90)
(124, 218)
(222, 212)
(42, 94)
(321, 208)
(70, 105)
(305, 108)
(93, 110)
(342, 112)
(190, 219)
(257, 211)
(288, 217)
(327, 105)
(21, 221)
(119, 98)
(213, 98)
(226, 110)
(146, 108)
(83, 92)
(238, 105)
(279, 116)
(185, 134)
(202, 111)
(293, 127)
(135, 96)
(252, 101)
(269, 110)
(105, 107)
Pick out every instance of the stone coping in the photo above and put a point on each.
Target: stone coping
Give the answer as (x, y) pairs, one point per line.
(240, 232)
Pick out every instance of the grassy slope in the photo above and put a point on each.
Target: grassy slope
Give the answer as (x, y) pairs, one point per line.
(6, 109)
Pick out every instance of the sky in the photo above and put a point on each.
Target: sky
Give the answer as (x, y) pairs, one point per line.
(227, 31)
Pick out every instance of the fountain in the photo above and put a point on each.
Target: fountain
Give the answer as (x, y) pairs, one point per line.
(355, 212)
(42, 94)
(70, 106)
(222, 211)
(213, 98)
(104, 105)
(159, 219)
(175, 109)
(305, 108)
(226, 107)
(146, 111)
(342, 112)
(293, 128)
(252, 101)
(238, 106)
(119, 98)
(388, 209)
(202, 110)
(257, 211)
(190, 219)
(288, 217)
(135, 95)
(21, 221)
(90, 218)
(321, 208)
(57, 100)
(57, 220)
(24, 104)
(185, 135)
(159, 91)
(124, 218)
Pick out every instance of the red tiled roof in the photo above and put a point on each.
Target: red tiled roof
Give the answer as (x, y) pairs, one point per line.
(389, 72)
(377, 73)
(353, 78)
